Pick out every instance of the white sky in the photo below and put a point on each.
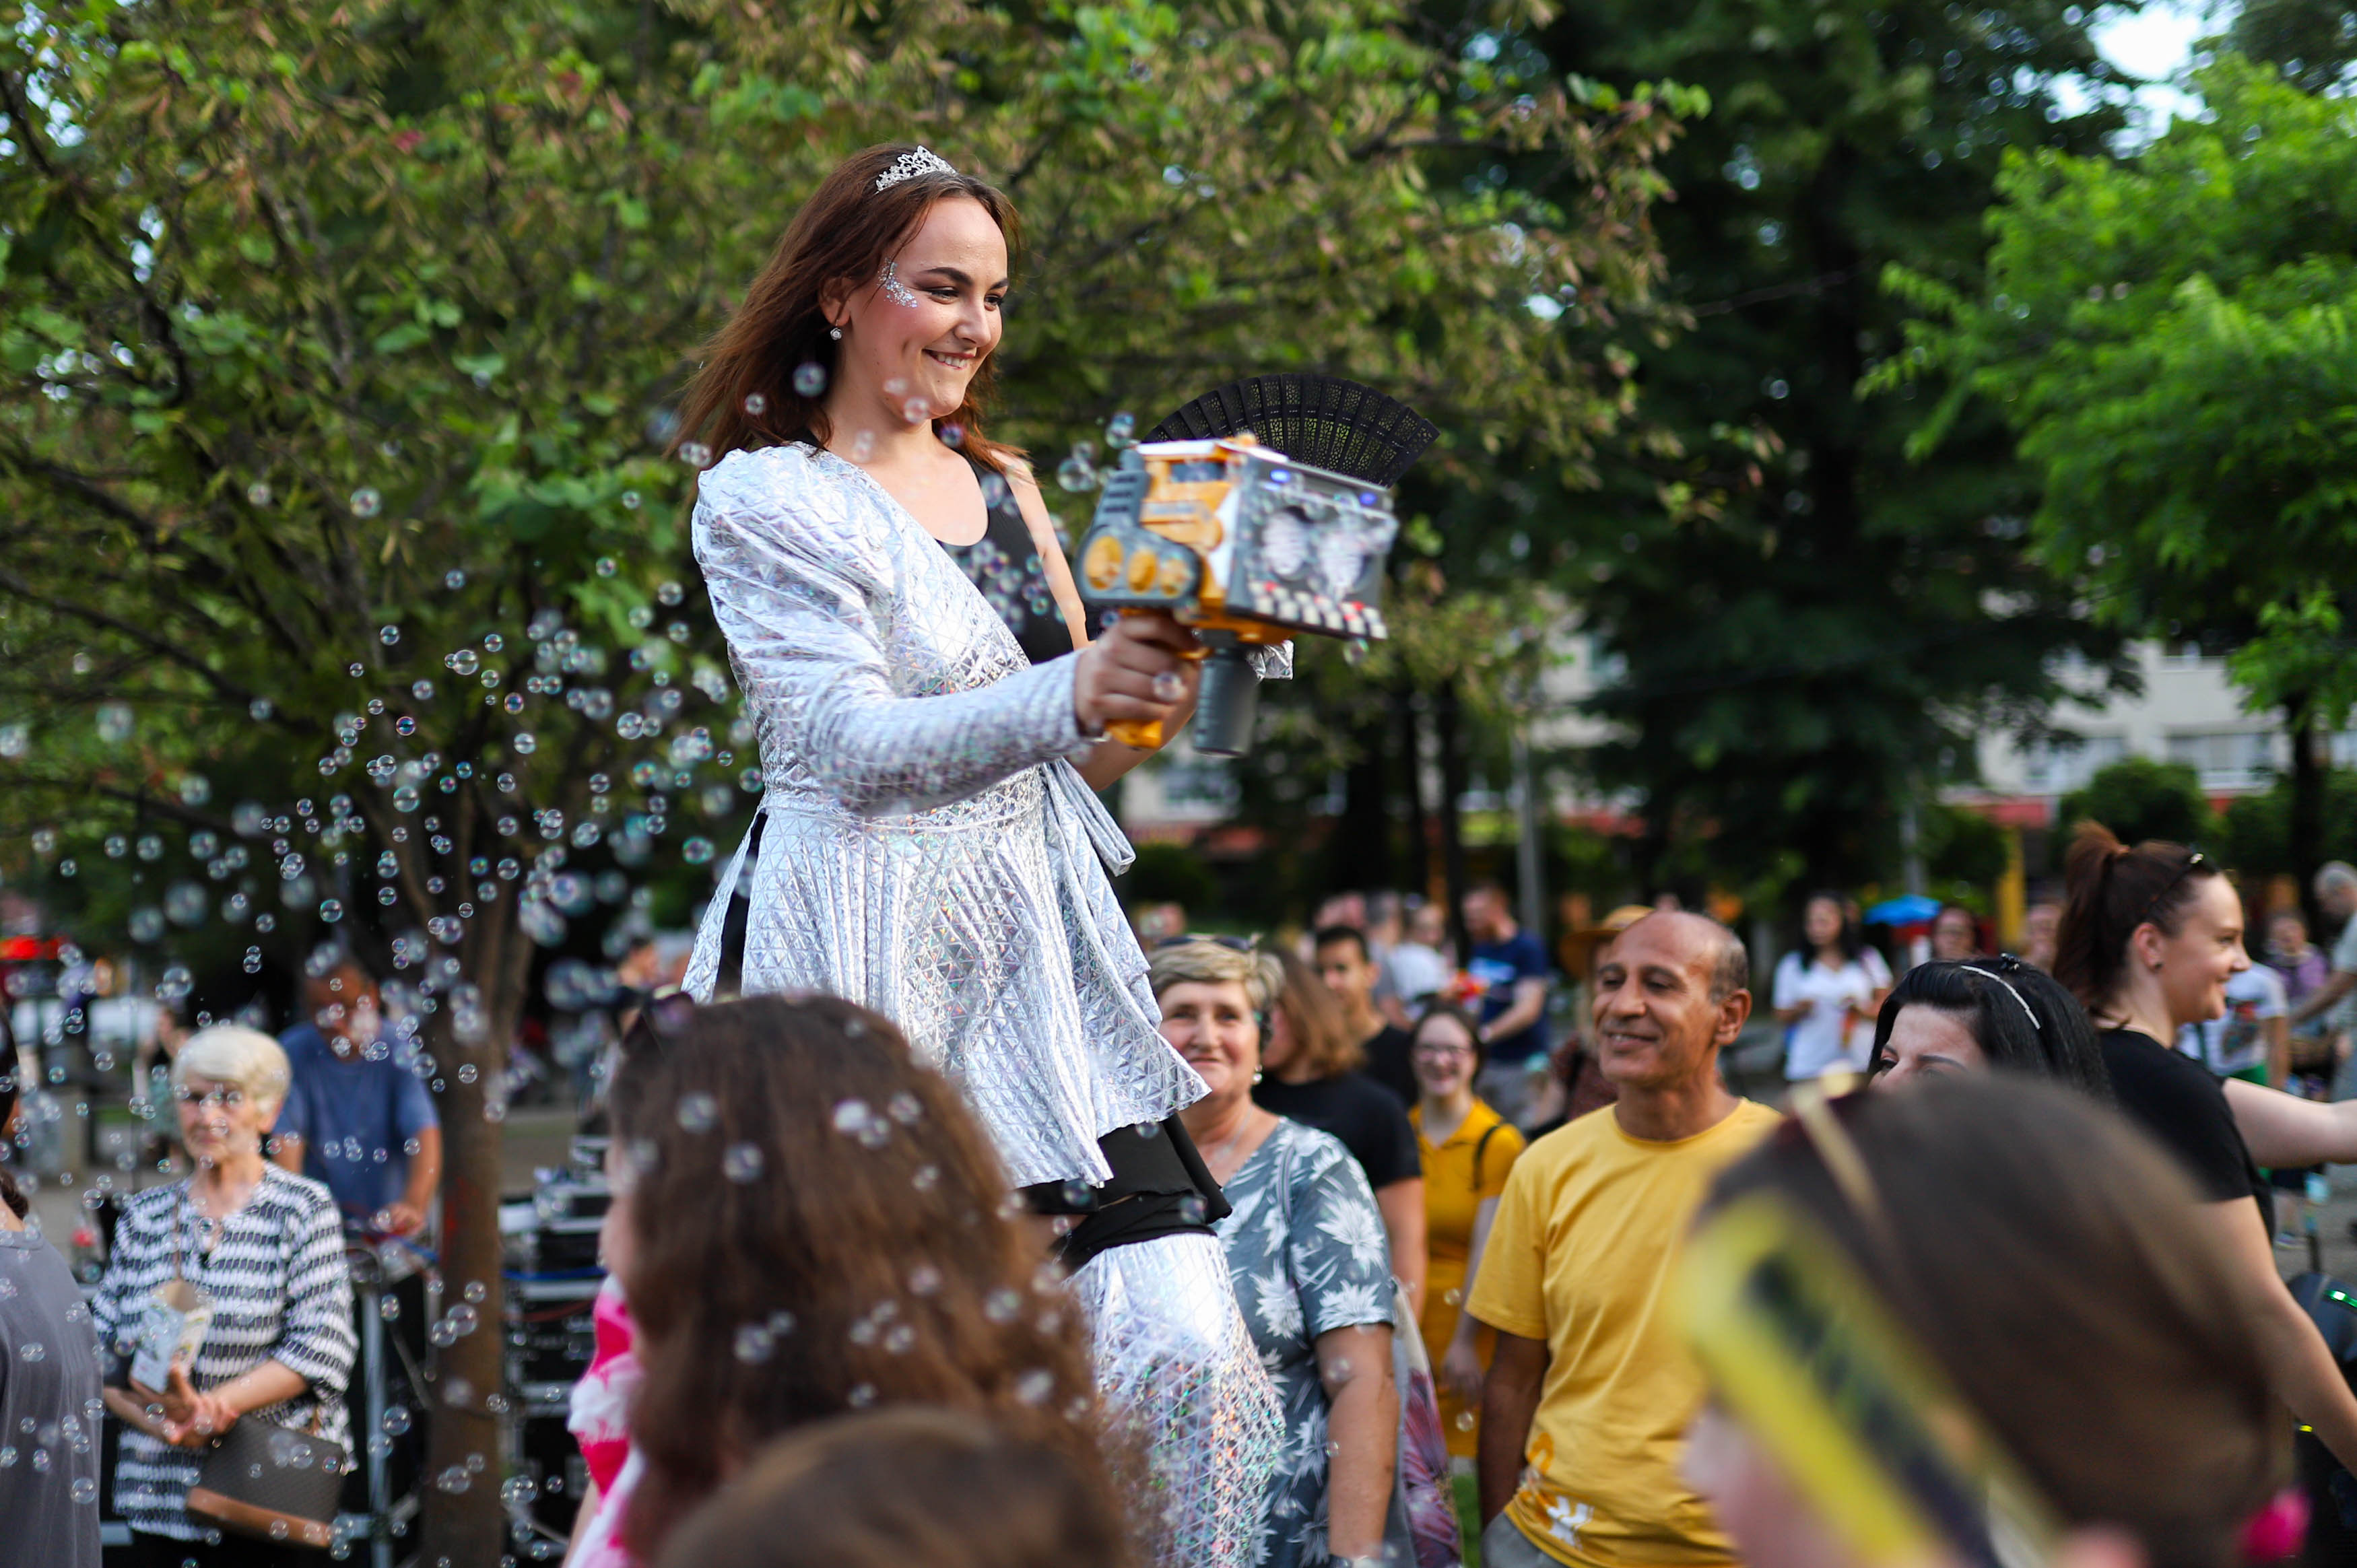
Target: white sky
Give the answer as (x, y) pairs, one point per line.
(2156, 43)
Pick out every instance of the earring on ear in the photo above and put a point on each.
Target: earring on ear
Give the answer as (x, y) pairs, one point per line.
(835, 333)
(1256, 1075)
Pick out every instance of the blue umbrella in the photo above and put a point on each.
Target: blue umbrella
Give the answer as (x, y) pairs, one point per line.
(1907, 909)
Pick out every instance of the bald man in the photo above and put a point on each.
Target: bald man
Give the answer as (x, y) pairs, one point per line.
(1586, 1404)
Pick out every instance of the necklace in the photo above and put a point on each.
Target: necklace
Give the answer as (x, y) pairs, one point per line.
(1217, 1156)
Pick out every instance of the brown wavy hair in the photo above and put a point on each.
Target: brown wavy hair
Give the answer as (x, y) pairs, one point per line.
(1321, 1040)
(842, 236)
(2109, 891)
(2035, 1246)
(818, 1229)
(887, 1489)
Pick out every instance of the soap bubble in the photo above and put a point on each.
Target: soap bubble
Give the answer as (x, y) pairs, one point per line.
(695, 454)
(115, 723)
(1120, 431)
(367, 503)
(388, 635)
(463, 662)
(1076, 474)
(454, 579)
(607, 566)
(810, 379)
(755, 405)
(330, 910)
(696, 851)
(742, 1163)
(258, 493)
(395, 1420)
(698, 1112)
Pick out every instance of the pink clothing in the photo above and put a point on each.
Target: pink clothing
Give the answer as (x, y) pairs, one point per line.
(600, 1423)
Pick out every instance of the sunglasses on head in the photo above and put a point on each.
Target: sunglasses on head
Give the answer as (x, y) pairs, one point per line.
(1233, 944)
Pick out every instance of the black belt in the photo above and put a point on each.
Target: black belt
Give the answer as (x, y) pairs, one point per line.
(1160, 1187)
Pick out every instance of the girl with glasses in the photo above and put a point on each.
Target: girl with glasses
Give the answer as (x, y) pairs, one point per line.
(1468, 1149)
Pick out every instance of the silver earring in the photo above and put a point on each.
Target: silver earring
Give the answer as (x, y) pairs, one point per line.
(1255, 1076)
(835, 333)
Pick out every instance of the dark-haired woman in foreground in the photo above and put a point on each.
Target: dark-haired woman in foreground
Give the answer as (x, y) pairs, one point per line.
(2149, 938)
(2107, 1358)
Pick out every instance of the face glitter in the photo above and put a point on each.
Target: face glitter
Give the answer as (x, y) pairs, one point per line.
(898, 293)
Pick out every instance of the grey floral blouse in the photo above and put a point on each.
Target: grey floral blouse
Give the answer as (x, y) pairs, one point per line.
(1306, 1249)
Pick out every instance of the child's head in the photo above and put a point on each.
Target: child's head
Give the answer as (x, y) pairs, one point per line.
(906, 1485)
(816, 1225)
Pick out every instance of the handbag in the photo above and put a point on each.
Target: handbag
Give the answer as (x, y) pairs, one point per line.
(273, 1483)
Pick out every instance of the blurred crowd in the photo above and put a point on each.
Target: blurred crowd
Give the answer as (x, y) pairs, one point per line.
(1524, 1267)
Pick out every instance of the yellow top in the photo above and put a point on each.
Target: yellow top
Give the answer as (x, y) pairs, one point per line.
(1581, 1256)
(1454, 1191)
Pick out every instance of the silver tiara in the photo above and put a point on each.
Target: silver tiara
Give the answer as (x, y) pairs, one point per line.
(909, 166)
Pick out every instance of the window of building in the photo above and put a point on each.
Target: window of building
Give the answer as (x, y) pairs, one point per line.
(2226, 759)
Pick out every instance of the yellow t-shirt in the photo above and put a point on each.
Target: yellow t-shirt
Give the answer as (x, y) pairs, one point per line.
(1454, 1191)
(1580, 1256)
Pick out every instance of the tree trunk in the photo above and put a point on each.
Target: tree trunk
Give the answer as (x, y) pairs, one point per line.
(466, 1524)
(1410, 731)
(1448, 736)
(1361, 854)
(2306, 826)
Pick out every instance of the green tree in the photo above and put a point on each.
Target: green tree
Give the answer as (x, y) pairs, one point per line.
(2312, 42)
(335, 346)
(1812, 629)
(2139, 798)
(2254, 832)
(2170, 338)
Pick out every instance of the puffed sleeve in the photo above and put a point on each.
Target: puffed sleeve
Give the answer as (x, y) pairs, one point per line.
(805, 592)
(315, 1337)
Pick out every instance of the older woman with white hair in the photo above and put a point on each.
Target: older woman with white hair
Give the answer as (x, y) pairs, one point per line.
(261, 1248)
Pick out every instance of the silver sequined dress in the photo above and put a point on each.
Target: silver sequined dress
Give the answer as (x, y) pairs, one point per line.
(930, 851)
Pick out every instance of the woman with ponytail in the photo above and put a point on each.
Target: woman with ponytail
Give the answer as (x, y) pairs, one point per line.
(2148, 939)
(49, 1379)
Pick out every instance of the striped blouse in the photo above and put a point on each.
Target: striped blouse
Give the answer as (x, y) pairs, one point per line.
(280, 1292)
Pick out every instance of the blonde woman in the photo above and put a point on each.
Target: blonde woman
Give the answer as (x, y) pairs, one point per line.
(265, 1248)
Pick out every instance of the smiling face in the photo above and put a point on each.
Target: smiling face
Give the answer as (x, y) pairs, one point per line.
(2195, 963)
(1213, 1026)
(914, 335)
(1926, 1043)
(219, 1120)
(1656, 1023)
(1443, 1058)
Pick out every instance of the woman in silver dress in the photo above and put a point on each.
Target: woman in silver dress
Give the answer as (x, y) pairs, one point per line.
(929, 843)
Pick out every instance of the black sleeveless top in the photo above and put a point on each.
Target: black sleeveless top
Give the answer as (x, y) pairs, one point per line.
(1006, 565)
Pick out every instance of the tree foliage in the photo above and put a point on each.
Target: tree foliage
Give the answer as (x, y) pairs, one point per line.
(2172, 339)
(2139, 798)
(336, 546)
(1813, 628)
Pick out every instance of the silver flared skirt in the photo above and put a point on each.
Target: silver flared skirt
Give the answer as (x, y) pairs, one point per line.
(1177, 1369)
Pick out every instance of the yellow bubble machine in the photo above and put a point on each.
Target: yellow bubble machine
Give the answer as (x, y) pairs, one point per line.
(1259, 512)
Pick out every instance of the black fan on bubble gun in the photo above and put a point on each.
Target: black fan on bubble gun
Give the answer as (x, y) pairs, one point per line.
(1259, 512)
